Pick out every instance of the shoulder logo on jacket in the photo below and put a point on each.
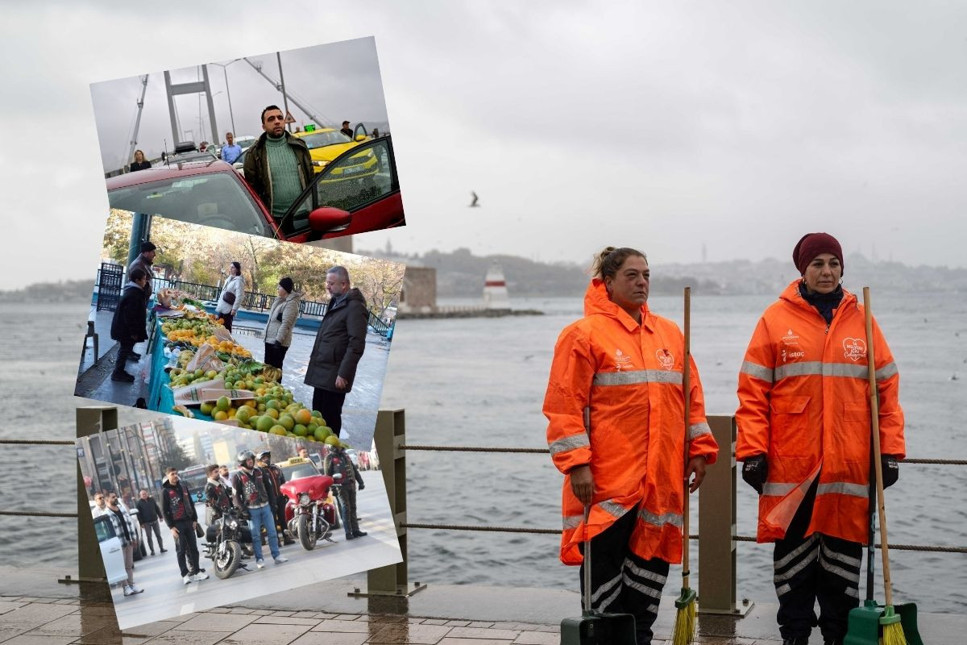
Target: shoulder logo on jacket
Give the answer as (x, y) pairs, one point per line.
(621, 361)
(665, 359)
(854, 348)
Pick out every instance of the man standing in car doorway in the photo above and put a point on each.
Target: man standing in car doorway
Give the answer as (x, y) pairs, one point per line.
(339, 345)
(278, 167)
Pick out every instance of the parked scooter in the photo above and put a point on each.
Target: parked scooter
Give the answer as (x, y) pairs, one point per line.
(309, 513)
(228, 538)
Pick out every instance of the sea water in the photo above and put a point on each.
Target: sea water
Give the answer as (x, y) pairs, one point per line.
(481, 382)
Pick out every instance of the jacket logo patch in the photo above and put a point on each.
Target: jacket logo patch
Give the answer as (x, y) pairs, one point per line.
(854, 348)
(621, 360)
(665, 359)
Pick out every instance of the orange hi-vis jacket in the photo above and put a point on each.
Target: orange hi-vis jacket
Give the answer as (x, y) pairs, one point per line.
(630, 378)
(804, 402)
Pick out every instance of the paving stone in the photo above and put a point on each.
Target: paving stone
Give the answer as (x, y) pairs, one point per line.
(353, 626)
(411, 633)
(266, 634)
(481, 632)
(538, 638)
(216, 622)
(331, 638)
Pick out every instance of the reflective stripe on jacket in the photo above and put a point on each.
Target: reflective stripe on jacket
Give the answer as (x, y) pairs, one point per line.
(804, 403)
(630, 377)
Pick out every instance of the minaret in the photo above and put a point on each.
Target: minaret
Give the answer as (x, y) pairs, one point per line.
(495, 289)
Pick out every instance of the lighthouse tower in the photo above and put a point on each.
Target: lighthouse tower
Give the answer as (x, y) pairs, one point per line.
(495, 289)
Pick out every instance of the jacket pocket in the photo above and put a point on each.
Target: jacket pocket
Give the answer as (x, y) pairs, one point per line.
(789, 426)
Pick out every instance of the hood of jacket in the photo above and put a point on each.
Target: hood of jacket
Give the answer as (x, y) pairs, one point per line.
(168, 484)
(596, 301)
(792, 295)
(352, 294)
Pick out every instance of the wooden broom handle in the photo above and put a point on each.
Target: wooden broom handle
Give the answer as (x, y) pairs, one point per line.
(686, 381)
(877, 459)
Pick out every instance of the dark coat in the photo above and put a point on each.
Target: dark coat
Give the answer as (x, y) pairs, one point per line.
(339, 344)
(148, 510)
(256, 168)
(176, 503)
(129, 319)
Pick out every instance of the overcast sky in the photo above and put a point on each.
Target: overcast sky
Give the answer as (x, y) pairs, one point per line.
(333, 82)
(663, 126)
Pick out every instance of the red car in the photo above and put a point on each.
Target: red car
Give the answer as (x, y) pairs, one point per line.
(211, 193)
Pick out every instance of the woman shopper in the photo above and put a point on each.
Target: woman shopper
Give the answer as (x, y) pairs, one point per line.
(625, 366)
(282, 317)
(804, 437)
(230, 299)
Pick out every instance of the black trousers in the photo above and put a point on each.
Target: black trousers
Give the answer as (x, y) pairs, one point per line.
(347, 508)
(227, 320)
(818, 568)
(275, 354)
(187, 547)
(330, 405)
(126, 349)
(622, 582)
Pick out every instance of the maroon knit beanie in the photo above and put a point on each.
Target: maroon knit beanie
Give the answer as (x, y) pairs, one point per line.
(813, 244)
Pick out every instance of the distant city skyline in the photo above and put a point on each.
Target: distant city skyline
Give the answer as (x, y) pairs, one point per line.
(666, 127)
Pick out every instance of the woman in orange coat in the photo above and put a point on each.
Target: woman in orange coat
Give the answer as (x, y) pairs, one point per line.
(804, 437)
(616, 412)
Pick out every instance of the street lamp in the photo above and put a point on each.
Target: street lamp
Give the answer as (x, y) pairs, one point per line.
(231, 114)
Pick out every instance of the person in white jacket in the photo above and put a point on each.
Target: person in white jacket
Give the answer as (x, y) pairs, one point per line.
(230, 299)
(282, 317)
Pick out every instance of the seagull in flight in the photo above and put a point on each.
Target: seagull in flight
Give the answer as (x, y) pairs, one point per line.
(474, 203)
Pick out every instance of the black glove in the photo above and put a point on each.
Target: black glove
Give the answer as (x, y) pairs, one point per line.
(891, 470)
(245, 515)
(361, 486)
(754, 471)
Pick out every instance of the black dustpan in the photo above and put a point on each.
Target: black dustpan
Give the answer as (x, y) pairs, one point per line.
(594, 627)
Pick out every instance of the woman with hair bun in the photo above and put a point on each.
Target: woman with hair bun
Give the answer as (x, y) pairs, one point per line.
(616, 429)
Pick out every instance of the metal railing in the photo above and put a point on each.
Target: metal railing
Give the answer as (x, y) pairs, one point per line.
(251, 301)
(717, 536)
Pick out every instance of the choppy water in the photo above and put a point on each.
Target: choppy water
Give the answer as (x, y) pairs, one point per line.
(481, 382)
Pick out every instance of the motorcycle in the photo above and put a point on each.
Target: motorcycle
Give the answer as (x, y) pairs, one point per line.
(228, 538)
(309, 513)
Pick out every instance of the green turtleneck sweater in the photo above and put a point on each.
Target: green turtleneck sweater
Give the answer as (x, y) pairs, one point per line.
(283, 173)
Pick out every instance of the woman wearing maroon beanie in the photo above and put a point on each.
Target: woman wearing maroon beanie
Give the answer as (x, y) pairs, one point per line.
(804, 439)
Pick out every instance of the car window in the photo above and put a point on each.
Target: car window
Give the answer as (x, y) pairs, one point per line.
(216, 199)
(359, 177)
(103, 528)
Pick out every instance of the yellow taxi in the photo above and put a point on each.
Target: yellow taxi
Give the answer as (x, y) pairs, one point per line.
(325, 144)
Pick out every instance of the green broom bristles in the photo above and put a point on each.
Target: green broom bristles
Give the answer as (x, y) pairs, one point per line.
(685, 619)
(892, 628)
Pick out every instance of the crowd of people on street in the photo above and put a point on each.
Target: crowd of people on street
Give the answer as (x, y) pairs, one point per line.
(630, 450)
(254, 490)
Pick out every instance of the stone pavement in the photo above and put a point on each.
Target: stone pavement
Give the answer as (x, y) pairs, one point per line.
(45, 613)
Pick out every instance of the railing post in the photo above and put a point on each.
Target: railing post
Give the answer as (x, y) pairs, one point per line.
(716, 526)
(90, 420)
(389, 436)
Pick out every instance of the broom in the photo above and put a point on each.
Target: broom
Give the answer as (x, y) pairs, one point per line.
(686, 603)
(890, 620)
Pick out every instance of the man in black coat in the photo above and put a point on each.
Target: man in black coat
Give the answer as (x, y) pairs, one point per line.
(180, 516)
(128, 325)
(338, 347)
